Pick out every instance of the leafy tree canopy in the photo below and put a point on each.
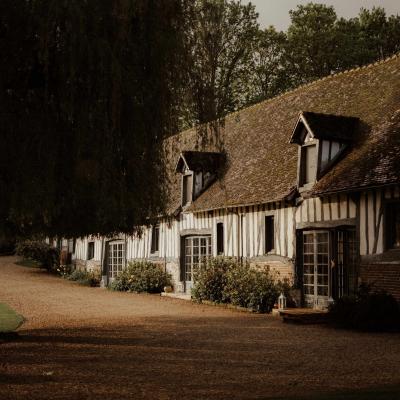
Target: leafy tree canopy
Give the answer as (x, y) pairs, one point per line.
(87, 91)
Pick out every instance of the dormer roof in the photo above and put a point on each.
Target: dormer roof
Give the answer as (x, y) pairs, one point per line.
(199, 161)
(324, 126)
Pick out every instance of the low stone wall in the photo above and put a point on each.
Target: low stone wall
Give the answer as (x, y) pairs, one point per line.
(383, 275)
(282, 270)
(88, 265)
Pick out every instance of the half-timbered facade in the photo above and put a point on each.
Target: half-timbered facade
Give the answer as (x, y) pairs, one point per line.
(307, 183)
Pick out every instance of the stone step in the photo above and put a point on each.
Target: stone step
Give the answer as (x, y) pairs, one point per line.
(304, 316)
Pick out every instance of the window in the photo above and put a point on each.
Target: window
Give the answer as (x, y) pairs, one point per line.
(309, 164)
(187, 189)
(392, 226)
(90, 252)
(155, 238)
(220, 238)
(269, 234)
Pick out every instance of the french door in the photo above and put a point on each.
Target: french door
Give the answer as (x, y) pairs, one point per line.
(115, 259)
(329, 265)
(196, 248)
(316, 268)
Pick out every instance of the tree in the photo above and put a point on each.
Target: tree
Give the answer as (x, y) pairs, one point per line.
(269, 65)
(87, 92)
(221, 40)
(312, 42)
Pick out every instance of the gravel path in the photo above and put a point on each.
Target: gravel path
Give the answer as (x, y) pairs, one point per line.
(87, 343)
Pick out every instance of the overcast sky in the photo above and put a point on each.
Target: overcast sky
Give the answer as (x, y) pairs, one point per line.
(276, 12)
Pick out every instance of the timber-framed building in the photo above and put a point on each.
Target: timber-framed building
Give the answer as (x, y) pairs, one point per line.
(307, 183)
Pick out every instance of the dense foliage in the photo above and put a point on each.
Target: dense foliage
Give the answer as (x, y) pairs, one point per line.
(368, 310)
(88, 90)
(142, 276)
(211, 279)
(37, 250)
(224, 280)
(235, 63)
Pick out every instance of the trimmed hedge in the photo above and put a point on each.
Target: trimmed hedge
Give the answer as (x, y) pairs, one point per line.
(47, 256)
(224, 280)
(142, 276)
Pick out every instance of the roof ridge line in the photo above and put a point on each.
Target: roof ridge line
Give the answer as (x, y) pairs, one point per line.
(291, 91)
(307, 84)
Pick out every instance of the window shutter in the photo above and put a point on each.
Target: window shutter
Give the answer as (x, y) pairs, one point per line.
(220, 238)
(269, 233)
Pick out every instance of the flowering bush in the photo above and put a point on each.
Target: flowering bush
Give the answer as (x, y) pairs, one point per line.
(64, 270)
(142, 276)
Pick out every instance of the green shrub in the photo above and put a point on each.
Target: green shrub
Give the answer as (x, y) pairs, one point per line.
(368, 311)
(251, 287)
(37, 250)
(224, 280)
(86, 278)
(211, 278)
(141, 276)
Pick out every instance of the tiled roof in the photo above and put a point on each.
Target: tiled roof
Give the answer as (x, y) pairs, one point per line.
(261, 165)
(374, 161)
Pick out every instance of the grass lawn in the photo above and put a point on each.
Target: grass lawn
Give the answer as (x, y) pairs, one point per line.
(26, 262)
(9, 319)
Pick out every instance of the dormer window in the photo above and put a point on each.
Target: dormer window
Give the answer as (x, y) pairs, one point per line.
(199, 170)
(322, 138)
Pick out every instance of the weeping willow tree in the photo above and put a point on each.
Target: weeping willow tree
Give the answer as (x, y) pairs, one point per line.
(88, 89)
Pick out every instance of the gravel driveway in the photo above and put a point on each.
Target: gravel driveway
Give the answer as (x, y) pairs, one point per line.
(90, 343)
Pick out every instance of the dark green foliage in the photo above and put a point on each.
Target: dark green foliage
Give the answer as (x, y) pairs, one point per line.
(253, 288)
(37, 250)
(88, 89)
(142, 276)
(86, 278)
(224, 280)
(220, 41)
(367, 310)
(316, 44)
(211, 279)
(7, 245)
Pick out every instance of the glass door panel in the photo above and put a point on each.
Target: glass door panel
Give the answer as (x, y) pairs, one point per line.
(196, 249)
(316, 268)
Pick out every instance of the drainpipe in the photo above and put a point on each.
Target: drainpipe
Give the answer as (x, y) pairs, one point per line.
(165, 225)
(103, 283)
(126, 249)
(238, 235)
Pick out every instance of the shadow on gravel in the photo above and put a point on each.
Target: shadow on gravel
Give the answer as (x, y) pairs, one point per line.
(194, 358)
(15, 379)
(391, 392)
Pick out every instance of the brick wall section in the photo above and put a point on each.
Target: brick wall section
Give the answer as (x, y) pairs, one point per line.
(384, 275)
